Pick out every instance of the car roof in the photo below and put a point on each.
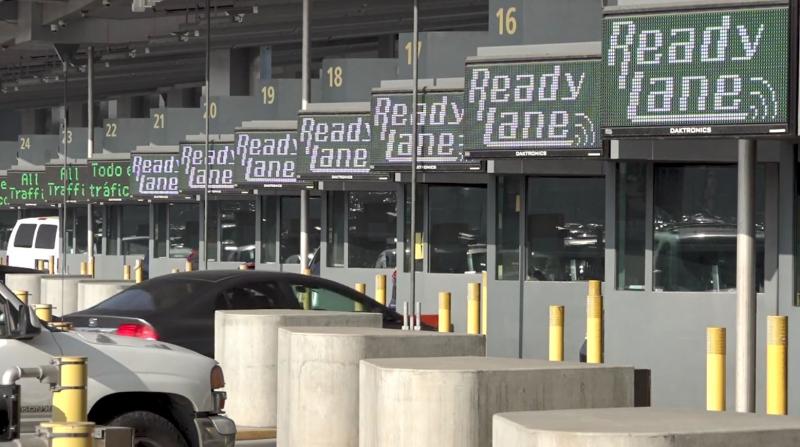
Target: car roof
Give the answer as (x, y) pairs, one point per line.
(217, 276)
(49, 219)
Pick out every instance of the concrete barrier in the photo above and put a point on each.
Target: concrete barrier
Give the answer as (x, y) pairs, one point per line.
(51, 287)
(246, 345)
(318, 376)
(643, 427)
(449, 401)
(93, 291)
(26, 281)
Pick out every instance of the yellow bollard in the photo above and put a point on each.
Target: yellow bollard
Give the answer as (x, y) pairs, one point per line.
(51, 265)
(715, 369)
(69, 434)
(126, 272)
(556, 334)
(444, 311)
(484, 302)
(63, 326)
(242, 266)
(188, 265)
(40, 265)
(44, 312)
(175, 270)
(138, 271)
(473, 308)
(69, 396)
(83, 267)
(777, 336)
(307, 271)
(594, 323)
(360, 288)
(306, 298)
(380, 289)
(90, 267)
(22, 295)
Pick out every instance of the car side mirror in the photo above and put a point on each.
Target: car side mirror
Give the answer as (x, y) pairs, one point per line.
(9, 412)
(28, 325)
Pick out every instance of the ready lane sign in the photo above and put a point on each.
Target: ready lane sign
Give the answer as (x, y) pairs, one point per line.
(333, 145)
(532, 108)
(698, 72)
(266, 157)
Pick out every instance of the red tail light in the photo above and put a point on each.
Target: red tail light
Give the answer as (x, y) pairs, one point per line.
(138, 330)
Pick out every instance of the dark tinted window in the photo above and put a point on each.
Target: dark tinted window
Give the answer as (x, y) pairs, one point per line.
(321, 298)
(24, 236)
(252, 296)
(157, 296)
(46, 237)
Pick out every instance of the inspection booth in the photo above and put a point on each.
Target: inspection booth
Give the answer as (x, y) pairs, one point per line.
(358, 212)
(268, 157)
(448, 245)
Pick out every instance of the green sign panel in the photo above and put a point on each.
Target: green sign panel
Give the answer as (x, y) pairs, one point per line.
(532, 109)
(25, 187)
(697, 72)
(68, 183)
(4, 197)
(109, 181)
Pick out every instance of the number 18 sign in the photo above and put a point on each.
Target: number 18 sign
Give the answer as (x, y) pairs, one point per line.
(696, 72)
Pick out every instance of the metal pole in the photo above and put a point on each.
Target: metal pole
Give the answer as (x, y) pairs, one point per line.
(90, 143)
(204, 231)
(65, 123)
(306, 94)
(745, 280)
(414, 100)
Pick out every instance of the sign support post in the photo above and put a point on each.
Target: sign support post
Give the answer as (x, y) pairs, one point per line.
(745, 279)
(414, 148)
(306, 95)
(89, 145)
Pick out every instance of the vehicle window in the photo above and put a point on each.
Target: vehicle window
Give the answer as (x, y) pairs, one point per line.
(24, 237)
(253, 296)
(46, 237)
(320, 298)
(156, 296)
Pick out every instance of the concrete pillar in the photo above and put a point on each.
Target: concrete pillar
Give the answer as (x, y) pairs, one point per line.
(12, 125)
(51, 292)
(230, 71)
(246, 345)
(26, 281)
(449, 401)
(180, 97)
(33, 121)
(318, 382)
(643, 427)
(93, 291)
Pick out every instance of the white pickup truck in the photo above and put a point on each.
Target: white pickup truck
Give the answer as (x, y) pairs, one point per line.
(170, 396)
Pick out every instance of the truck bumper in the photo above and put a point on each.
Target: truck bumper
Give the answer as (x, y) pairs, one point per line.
(215, 431)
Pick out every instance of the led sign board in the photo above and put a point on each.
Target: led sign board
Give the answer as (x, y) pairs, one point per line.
(334, 146)
(25, 187)
(109, 180)
(265, 157)
(439, 133)
(696, 72)
(4, 191)
(532, 109)
(219, 163)
(69, 183)
(155, 175)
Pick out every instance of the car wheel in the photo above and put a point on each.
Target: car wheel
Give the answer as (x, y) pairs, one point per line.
(150, 429)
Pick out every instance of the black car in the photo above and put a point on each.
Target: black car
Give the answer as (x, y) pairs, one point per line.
(179, 308)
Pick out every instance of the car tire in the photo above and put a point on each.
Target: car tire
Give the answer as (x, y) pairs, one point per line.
(150, 429)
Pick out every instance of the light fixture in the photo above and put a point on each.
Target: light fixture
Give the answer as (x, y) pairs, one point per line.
(108, 64)
(62, 24)
(132, 53)
(255, 9)
(84, 13)
(106, 2)
(53, 27)
(238, 18)
(197, 33)
(146, 50)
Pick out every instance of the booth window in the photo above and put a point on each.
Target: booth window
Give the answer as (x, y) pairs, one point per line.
(372, 229)
(509, 197)
(336, 228)
(135, 229)
(290, 228)
(417, 247)
(76, 229)
(269, 229)
(694, 228)
(565, 228)
(235, 229)
(160, 229)
(457, 219)
(8, 218)
(630, 222)
(183, 222)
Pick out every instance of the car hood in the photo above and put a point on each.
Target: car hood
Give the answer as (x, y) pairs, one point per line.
(126, 364)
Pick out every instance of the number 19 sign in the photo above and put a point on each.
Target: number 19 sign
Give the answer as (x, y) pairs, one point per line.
(697, 72)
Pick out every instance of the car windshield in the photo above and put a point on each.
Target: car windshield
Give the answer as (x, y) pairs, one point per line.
(153, 296)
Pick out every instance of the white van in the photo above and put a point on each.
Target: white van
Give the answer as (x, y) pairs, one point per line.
(32, 239)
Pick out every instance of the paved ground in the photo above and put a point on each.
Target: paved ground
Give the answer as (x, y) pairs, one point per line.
(270, 443)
